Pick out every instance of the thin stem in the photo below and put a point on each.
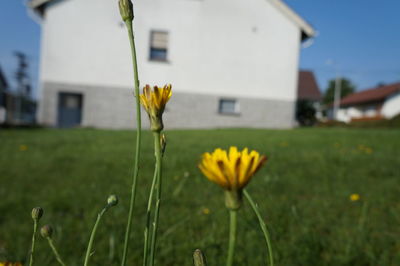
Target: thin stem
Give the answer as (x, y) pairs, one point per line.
(58, 258)
(35, 226)
(138, 141)
(158, 155)
(232, 236)
(96, 224)
(262, 225)
(148, 216)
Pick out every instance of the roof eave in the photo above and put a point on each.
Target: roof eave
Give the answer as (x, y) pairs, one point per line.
(38, 6)
(307, 31)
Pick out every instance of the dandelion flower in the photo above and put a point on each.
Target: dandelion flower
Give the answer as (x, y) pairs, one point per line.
(206, 211)
(354, 197)
(22, 148)
(231, 170)
(154, 101)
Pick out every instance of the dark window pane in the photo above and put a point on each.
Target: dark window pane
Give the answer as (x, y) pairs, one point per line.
(158, 54)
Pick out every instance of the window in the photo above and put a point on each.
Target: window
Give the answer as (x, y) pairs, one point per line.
(158, 45)
(228, 106)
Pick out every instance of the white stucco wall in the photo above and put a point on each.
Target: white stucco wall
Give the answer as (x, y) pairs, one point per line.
(218, 47)
(391, 107)
(347, 113)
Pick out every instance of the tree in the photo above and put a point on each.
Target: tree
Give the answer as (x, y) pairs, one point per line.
(347, 87)
(305, 113)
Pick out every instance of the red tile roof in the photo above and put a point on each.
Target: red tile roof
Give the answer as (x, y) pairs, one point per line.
(307, 87)
(371, 95)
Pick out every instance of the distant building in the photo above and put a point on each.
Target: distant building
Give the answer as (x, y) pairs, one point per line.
(309, 99)
(371, 104)
(231, 63)
(308, 88)
(3, 91)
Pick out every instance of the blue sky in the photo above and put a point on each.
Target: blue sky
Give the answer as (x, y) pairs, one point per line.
(361, 37)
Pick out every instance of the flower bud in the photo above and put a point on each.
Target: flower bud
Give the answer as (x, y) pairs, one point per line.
(198, 258)
(126, 10)
(37, 213)
(46, 231)
(112, 200)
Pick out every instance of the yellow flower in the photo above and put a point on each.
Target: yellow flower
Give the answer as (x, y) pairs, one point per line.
(154, 102)
(10, 264)
(232, 171)
(354, 197)
(22, 148)
(206, 211)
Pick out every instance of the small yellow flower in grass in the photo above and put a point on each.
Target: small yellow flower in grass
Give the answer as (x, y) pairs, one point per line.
(154, 101)
(23, 147)
(205, 211)
(354, 197)
(232, 171)
(10, 264)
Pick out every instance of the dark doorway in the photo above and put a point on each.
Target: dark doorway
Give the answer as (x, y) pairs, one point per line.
(69, 109)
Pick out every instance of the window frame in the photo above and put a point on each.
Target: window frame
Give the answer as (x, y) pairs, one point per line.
(152, 49)
(236, 110)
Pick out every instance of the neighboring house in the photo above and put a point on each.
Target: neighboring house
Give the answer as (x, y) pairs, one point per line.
(308, 95)
(3, 91)
(231, 63)
(371, 104)
(3, 88)
(308, 89)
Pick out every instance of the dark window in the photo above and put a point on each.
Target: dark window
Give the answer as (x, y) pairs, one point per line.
(158, 45)
(228, 106)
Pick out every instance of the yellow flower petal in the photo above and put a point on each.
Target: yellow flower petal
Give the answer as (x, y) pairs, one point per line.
(231, 170)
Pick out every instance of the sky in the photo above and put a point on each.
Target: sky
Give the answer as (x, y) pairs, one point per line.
(359, 39)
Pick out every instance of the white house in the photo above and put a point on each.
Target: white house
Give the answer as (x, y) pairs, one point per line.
(372, 104)
(231, 63)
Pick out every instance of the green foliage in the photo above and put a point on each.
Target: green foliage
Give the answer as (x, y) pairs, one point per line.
(303, 194)
(347, 87)
(305, 113)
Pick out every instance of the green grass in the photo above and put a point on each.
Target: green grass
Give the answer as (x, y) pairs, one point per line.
(303, 193)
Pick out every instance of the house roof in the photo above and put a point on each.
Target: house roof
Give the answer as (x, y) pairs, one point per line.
(3, 81)
(306, 29)
(371, 95)
(308, 87)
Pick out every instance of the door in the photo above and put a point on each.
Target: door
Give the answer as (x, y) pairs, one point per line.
(69, 109)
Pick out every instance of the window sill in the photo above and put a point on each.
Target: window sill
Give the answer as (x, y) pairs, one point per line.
(229, 114)
(159, 61)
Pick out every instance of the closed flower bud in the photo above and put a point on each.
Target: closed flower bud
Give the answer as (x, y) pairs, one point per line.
(37, 213)
(112, 200)
(198, 258)
(126, 10)
(46, 231)
(154, 101)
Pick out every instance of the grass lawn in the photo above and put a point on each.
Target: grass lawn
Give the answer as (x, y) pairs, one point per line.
(303, 193)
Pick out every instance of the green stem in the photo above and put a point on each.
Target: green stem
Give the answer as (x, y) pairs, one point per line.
(89, 248)
(232, 236)
(58, 258)
(35, 226)
(262, 225)
(158, 155)
(138, 141)
(148, 216)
